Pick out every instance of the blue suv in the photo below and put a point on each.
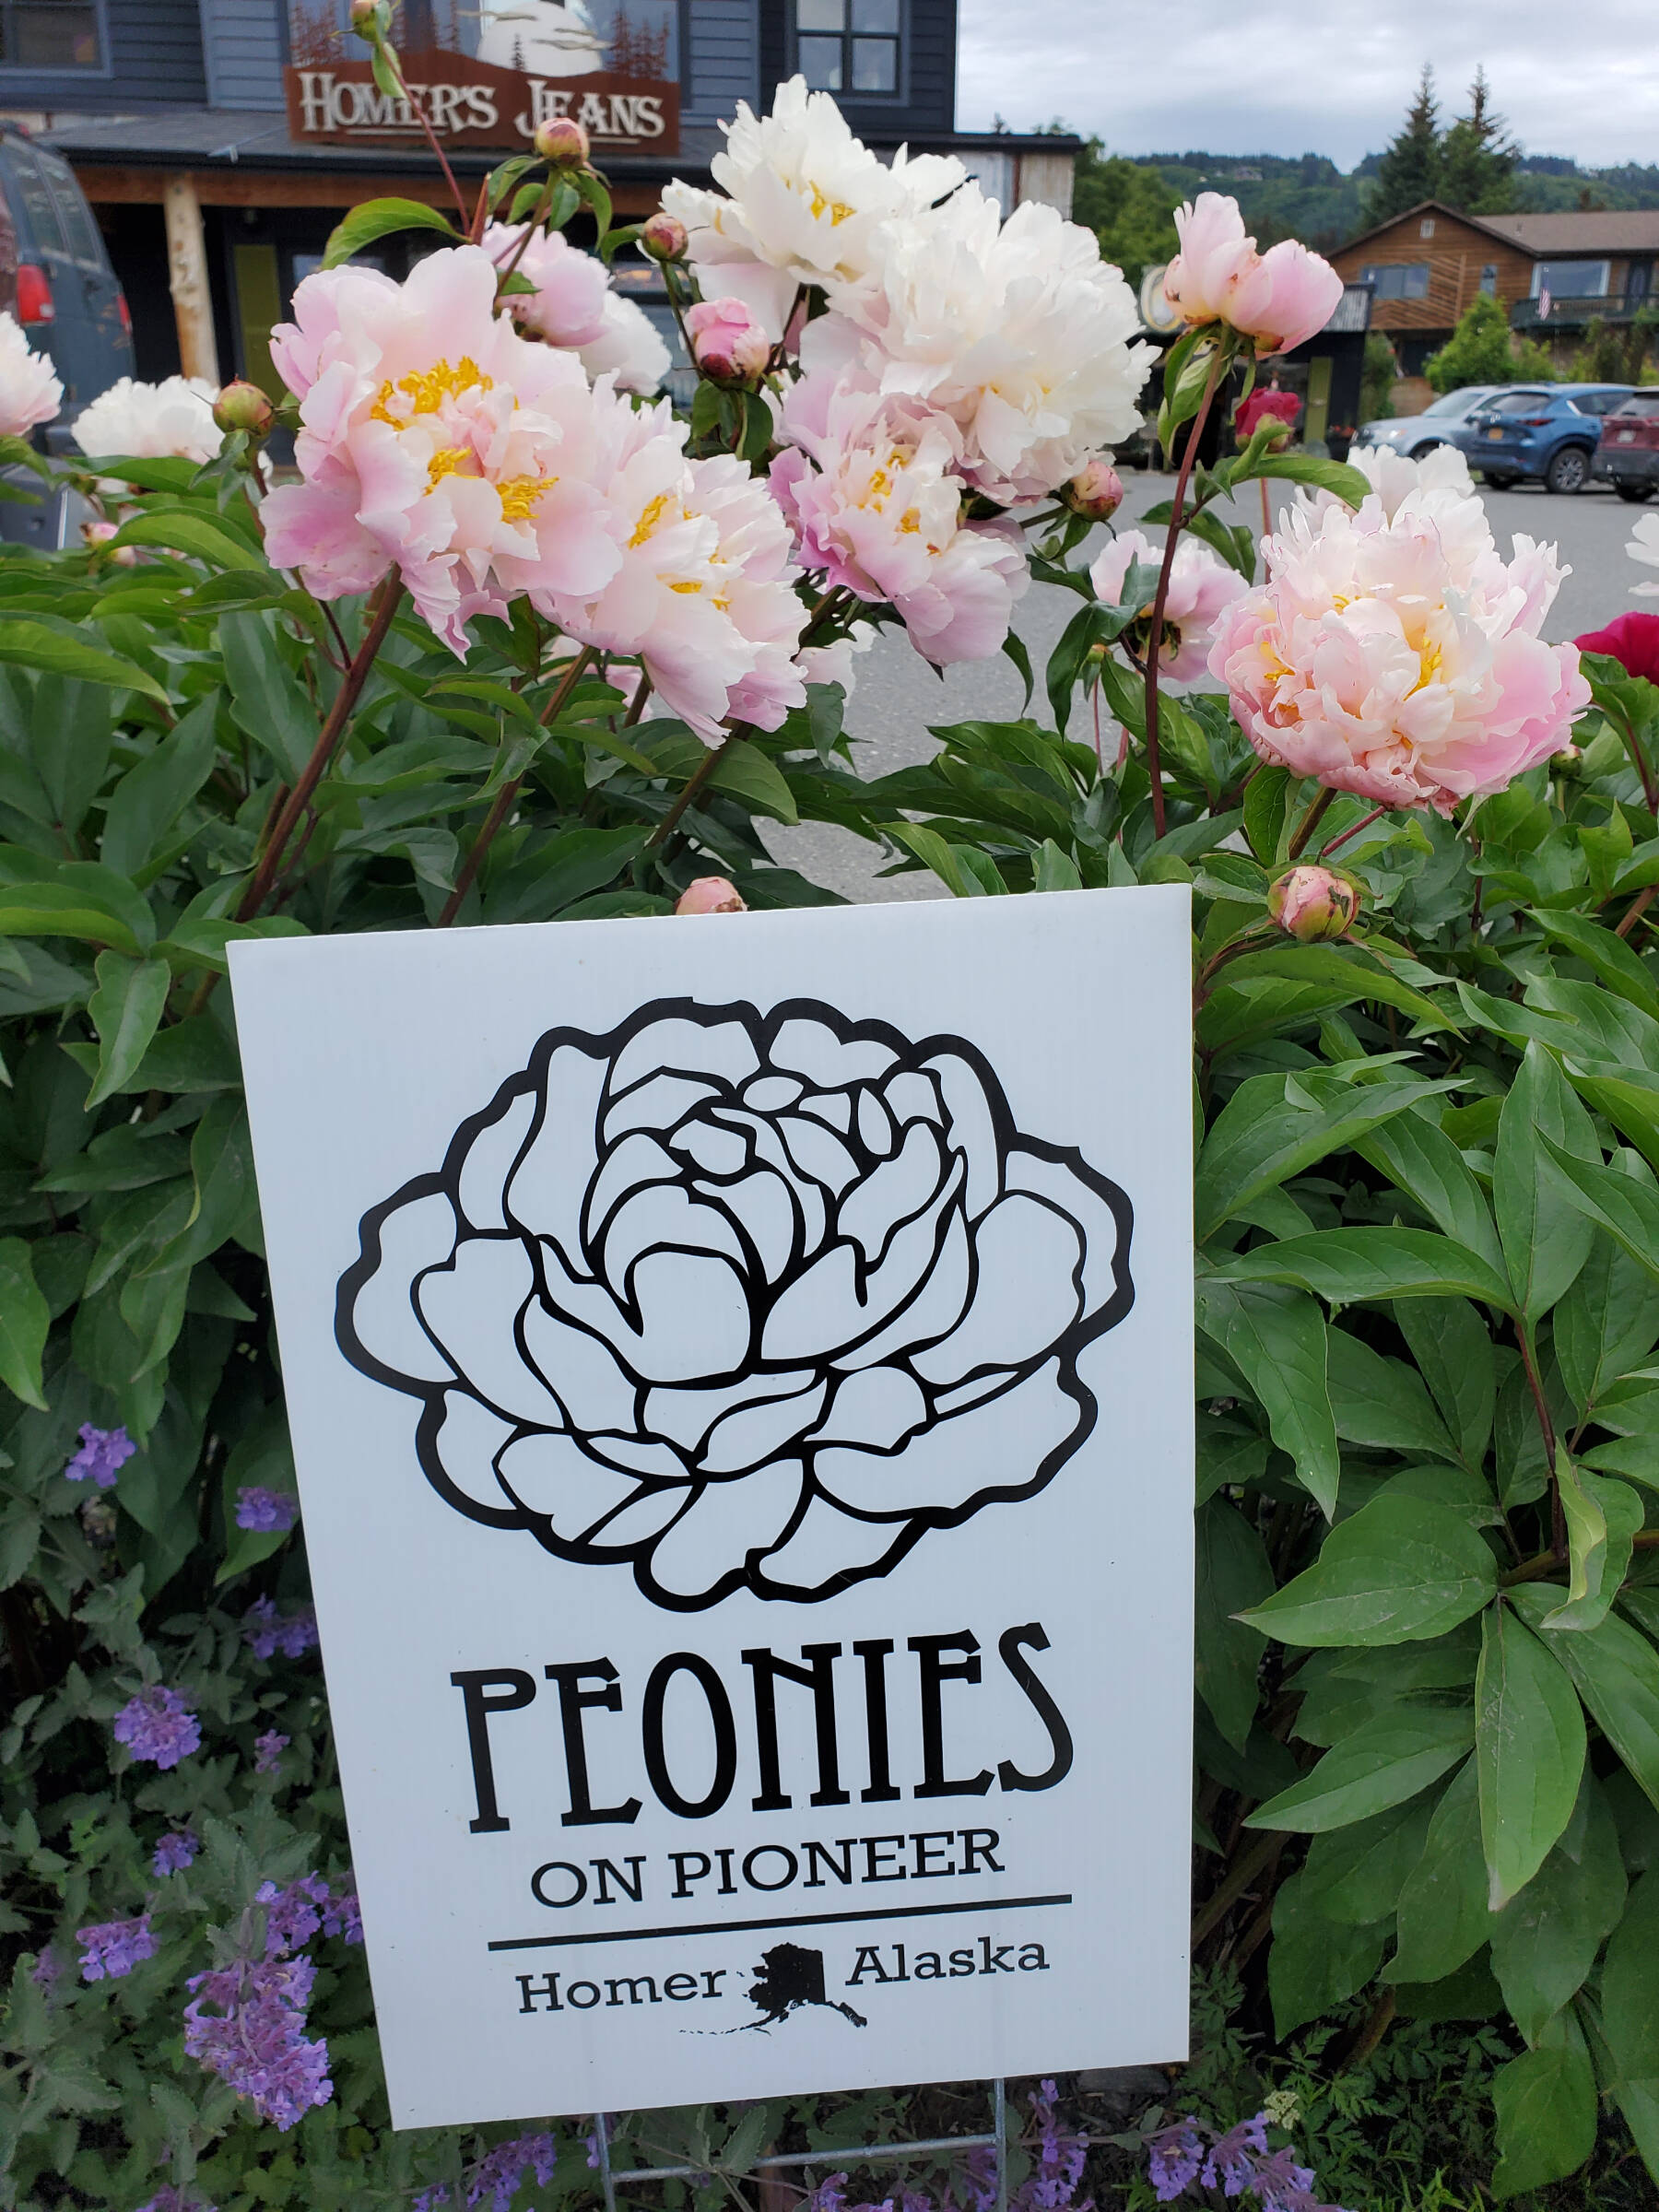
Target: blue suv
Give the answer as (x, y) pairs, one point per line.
(1548, 432)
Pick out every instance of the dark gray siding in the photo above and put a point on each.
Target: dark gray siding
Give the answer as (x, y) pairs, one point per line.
(720, 44)
(155, 61)
(928, 101)
(243, 48)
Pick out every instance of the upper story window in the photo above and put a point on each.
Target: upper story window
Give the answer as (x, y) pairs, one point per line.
(50, 34)
(1569, 279)
(1398, 280)
(1426, 227)
(849, 46)
(1489, 277)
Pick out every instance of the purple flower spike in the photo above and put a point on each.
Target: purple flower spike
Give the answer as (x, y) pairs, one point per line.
(1281, 2185)
(102, 1453)
(169, 2199)
(1173, 2157)
(157, 1725)
(1231, 2164)
(114, 1947)
(253, 2036)
(265, 1511)
(175, 1851)
(269, 1749)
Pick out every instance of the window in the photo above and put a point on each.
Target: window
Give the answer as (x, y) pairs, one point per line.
(1489, 278)
(1569, 279)
(49, 35)
(1639, 403)
(1523, 403)
(1426, 227)
(849, 46)
(1399, 280)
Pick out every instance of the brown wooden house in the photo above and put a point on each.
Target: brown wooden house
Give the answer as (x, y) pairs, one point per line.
(1550, 273)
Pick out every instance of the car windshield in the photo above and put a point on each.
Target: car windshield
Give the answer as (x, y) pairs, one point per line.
(1458, 403)
(1639, 403)
(1520, 403)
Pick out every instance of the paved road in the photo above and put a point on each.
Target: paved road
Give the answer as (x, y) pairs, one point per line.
(899, 695)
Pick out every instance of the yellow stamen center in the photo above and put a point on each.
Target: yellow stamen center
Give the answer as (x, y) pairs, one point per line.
(684, 587)
(839, 209)
(649, 518)
(427, 388)
(449, 461)
(520, 495)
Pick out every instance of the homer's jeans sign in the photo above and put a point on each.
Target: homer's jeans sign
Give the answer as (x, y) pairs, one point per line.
(740, 1377)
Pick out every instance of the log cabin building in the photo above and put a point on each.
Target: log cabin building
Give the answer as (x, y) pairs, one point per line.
(1552, 274)
(219, 141)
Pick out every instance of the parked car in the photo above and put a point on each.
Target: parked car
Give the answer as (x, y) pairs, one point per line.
(1627, 456)
(1437, 425)
(64, 293)
(1541, 431)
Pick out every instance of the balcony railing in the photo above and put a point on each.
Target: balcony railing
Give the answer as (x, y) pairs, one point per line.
(1573, 313)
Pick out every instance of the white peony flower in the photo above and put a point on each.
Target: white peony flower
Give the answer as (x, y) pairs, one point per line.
(629, 348)
(1018, 330)
(741, 1300)
(833, 663)
(808, 204)
(30, 391)
(1644, 546)
(147, 422)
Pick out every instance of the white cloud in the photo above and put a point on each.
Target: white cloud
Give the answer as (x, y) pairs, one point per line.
(1333, 80)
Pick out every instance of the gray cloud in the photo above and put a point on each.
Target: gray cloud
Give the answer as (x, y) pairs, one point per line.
(1332, 80)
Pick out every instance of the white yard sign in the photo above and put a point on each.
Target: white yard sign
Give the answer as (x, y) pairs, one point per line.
(740, 1373)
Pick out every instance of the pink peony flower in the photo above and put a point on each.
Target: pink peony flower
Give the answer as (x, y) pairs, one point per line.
(727, 342)
(1394, 652)
(710, 894)
(436, 439)
(567, 306)
(1202, 587)
(30, 391)
(1277, 299)
(880, 514)
(1632, 640)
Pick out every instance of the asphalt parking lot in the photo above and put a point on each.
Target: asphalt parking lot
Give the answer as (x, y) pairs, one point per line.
(899, 695)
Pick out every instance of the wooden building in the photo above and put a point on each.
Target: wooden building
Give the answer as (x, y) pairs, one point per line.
(1552, 274)
(219, 141)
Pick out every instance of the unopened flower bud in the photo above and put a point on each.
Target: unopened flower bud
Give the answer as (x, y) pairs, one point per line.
(1565, 762)
(1314, 904)
(562, 141)
(711, 895)
(1096, 490)
(727, 344)
(663, 237)
(96, 536)
(364, 18)
(244, 406)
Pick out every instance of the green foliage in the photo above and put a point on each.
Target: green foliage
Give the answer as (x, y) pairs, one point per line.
(1410, 171)
(1127, 205)
(1481, 351)
(1378, 376)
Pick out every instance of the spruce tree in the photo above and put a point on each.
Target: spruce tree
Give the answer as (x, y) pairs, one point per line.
(1477, 158)
(1410, 171)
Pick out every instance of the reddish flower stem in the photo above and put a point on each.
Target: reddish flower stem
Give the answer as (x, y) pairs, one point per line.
(1155, 633)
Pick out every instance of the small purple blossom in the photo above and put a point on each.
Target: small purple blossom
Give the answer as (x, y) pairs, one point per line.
(102, 1453)
(114, 1947)
(298, 1633)
(157, 1725)
(266, 1511)
(175, 1851)
(1231, 2166)
(1173, 2157)
(1281, 2185)
(269, 1749)
(253, 2036)
(343, 1916)
(169, 2199)
(46, 1970)
(293, 1914)
(267, 1631)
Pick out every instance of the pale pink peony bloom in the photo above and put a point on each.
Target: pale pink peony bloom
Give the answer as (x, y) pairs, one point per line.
(1643, 546)
(567, 306)
(710, 894)
(436, 439)
(1277, 299)
(1394, 652)
(628, 349)
(726, 342)
(833, 663)
(1202, 587)
(881, 515)
(703, 587)
(30, 391)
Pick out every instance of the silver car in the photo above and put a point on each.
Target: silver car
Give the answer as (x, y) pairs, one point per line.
(1443, 423)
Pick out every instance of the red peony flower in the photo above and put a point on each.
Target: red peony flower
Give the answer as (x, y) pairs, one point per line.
(1267, 401)
(1630, 640)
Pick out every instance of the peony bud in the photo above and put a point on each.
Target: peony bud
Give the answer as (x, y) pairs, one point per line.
(97, 534)
(1096, 490)
(562, 141)
(1565, 762)
(727, 344)
(663, 237)
(711, 895)
(1314, 904)
(244, 406)
(366, 17)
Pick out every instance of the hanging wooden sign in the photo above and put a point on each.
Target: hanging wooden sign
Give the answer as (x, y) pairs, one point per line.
(740, 1379)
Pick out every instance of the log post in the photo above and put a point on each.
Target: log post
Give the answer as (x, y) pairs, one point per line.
(187, 279)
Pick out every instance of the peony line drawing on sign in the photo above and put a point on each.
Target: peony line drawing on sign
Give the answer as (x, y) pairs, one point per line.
(741, 1300)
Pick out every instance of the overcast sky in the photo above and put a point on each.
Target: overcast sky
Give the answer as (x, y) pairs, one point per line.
(1329, 76)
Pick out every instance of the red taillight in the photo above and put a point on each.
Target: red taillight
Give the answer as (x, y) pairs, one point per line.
(34, 295)
(123, 311)
(1535, 422)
